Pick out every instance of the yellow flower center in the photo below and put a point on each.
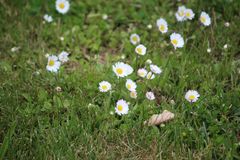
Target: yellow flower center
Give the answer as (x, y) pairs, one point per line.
(134, 38)
(128, 86)
(181, 13)
(51, 62)
(104, 87)
(141, 74)
(174, 41)
(203, 19)
(120, 107)
(188, 14)
(119, 71)
(61, 5)
(139, 50)
(162, 27)
(192, 97)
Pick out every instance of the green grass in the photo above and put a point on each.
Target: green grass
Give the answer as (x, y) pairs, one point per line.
(36, 122)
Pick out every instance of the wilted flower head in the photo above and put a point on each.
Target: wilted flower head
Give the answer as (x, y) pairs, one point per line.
(48, 18)
(63, 56)
(150, 96)
(155, 69)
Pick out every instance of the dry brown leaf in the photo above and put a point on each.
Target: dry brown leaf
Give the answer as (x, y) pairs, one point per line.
(157, 119)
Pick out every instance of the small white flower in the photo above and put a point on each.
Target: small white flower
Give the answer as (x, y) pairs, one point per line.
(227, 24)
(205, 19)
(155, 69)
(123, 56)
(134, 39)
(149, 26)
(189, 14)
(121, 69)
(150, 96)
(62, 6)
(63, 56)
(53, 64)
(209, 50)
(150, 75)
(176, 40)
(149, 61)
(15, 49)
(142, 72)
(162, 25)
(48, 18)
(104, 86)
(180, 14)
(104, 16)
(133, 94)
(111, 113)
(131, 85)
(141, 49)
(61, 38)
(225, 46)
(192, 96)
(121, 107)
(47, 55)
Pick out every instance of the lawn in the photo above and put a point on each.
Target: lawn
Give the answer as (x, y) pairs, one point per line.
(64, 115)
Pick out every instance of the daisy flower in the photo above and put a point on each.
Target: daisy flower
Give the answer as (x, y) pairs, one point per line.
(53, 64)
(133, 94)
(142, 72)
(189, 14)
(131, 85)
(177, 40)
(150, 96)
(155, 69)
(121, 69)
(121, 107)
(205, 19)
(48, 18)
(180, 14)
(141, 49)
(192, 96)
(134, 39)
(62, 6)
(150, 75)
(104, 86)
(162, 25)
(63, 56)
